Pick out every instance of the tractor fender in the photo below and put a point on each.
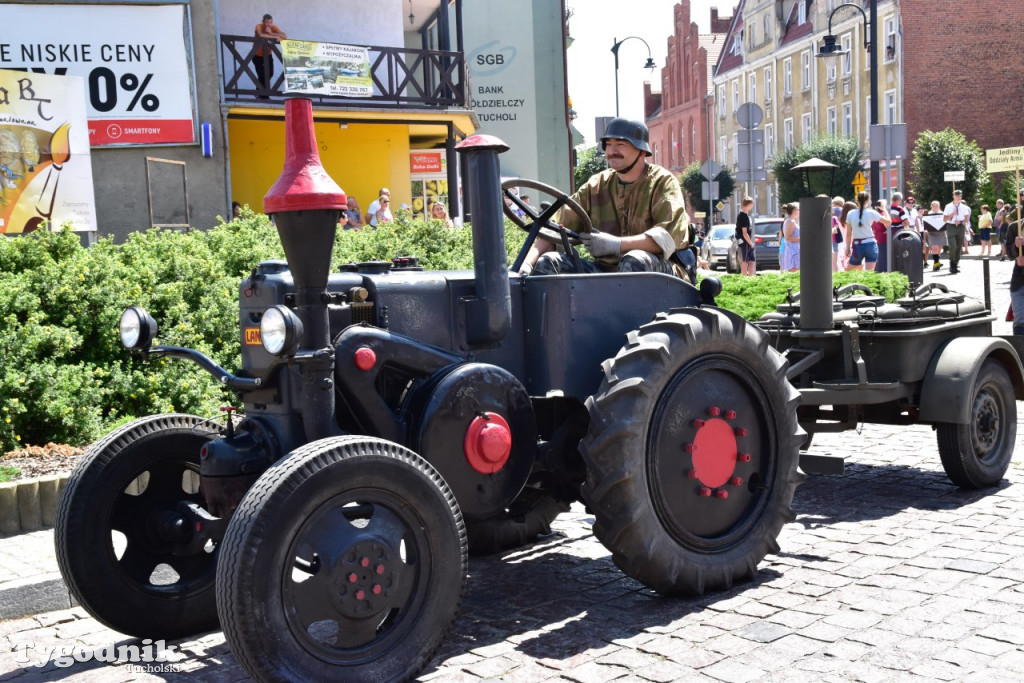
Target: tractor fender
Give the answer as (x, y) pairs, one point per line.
(949, 380)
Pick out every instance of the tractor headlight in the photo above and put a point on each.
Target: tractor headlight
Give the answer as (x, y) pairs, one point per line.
(138, 329)
(280, 331)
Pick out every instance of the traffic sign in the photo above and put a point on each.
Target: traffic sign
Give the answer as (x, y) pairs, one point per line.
(749, 115)
(859, 182)
(1005, 159)
(710, 169)
(720, 206)
(709, 191)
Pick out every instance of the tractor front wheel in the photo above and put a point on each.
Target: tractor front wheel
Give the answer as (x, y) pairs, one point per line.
(692, 452)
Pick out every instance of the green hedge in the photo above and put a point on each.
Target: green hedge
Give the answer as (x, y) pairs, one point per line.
(65, 376)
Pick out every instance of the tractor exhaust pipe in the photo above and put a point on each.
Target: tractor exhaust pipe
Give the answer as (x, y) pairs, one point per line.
(489, 313)
(307, 204)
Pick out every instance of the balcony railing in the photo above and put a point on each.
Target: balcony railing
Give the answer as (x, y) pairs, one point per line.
(432, 79)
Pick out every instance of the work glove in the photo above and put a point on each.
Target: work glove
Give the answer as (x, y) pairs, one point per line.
(601, 243)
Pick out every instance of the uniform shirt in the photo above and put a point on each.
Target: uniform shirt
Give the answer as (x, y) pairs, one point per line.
(958, 214)
(653, 205)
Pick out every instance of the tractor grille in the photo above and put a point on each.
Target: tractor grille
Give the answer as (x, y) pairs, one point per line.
(363, 313)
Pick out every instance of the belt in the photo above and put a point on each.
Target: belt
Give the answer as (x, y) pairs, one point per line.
(866, 239)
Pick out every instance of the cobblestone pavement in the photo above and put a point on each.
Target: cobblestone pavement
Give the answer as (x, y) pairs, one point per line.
(888, 573)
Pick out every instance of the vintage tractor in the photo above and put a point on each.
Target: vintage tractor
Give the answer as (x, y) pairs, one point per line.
(395, 417)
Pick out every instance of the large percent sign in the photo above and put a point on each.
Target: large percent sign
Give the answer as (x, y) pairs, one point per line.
(103, 87)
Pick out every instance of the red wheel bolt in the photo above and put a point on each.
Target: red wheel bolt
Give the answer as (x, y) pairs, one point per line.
(698, 423)
(736, 481)
(360, 595)
(705, 492)
(730, 415)
(380, 569)
(365, 562)
(352, 578)
(714, 411)
(377, 589)
(720, 493)
(744, 457)
(692, 474)
(741, 431)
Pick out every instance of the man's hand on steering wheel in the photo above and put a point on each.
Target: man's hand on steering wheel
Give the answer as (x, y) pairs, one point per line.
(540, 223)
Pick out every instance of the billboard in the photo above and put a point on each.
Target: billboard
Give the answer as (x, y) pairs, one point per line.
(326, 69)
(133, 59)
(45, 167)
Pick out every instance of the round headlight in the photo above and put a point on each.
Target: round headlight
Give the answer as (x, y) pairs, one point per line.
(138, 329)
(280, 331)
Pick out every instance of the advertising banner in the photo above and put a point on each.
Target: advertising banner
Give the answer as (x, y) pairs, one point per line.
(133, 59)
(326, 69)
(45, 167)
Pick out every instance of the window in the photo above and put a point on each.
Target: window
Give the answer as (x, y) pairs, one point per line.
(672, 147)
(891, 37)
(830, 5)
(735, 150)
(770, 200)
(801, 12)
(846, 41)
(721, 101)
(847, 119)
(751, 87)
(805, 69)
(767, 26)
(867, 118)
(693, 138)
(723, 150)
(787, 134)
(768, 84)
(787, 77)
(889, 104)
(805, 128)
(769, 141)
(752, 37)
(831, 121)
(735, 95)
(737, 45)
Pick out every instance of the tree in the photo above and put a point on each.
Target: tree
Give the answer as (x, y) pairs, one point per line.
(589, 162)
(845, 153)
(691, 181)
(946, 150)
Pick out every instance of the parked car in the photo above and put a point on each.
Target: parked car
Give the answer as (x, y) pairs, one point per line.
(715, 249)
(766, 245)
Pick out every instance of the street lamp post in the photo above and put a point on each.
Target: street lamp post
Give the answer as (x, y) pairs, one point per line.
(831, 52)
(615, 51)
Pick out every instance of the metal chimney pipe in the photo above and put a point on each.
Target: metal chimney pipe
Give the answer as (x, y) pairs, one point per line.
(306, 204)
(816, 263)
(489, 313)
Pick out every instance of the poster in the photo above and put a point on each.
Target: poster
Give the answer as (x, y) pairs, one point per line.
(326, 69)
(45, 167)
(133, 59)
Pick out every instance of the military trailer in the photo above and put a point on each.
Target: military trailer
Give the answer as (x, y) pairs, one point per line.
(396, 418)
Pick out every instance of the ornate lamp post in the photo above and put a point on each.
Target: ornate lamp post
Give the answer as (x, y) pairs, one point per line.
(615, 51)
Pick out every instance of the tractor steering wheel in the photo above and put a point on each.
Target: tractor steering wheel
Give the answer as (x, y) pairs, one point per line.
(539, 223)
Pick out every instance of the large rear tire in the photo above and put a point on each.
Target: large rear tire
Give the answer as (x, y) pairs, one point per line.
(345, 561)
(692, 452)
(976, 455)
(118, 536)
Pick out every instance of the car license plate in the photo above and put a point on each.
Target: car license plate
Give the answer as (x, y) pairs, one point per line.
(773, 243)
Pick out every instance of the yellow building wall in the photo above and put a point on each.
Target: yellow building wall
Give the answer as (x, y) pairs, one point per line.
(361, 158)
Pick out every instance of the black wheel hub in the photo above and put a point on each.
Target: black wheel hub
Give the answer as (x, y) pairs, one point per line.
(365, 579)
(986, 423)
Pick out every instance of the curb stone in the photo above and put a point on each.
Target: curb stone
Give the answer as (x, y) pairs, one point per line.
(30, 504)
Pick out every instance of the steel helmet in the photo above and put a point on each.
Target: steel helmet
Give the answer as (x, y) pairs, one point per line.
(633, 132)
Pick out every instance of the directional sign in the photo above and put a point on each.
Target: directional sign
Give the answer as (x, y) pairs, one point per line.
(1005, 159)
(859, 182)
(953, 176)
(747, 137)
(709, 191)
(710, 169)
(751, 176)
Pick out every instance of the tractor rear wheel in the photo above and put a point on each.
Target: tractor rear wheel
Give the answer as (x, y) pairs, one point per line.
(123, 547)
(345, 561)
(692, 452)
(976, 454)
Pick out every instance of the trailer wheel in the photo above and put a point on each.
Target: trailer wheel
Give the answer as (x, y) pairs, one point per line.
(119, 540)
(977, 454)
(529, 516)
(345, 561)
(692, 452)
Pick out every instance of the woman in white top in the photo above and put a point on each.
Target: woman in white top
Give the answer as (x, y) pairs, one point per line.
(861, 247)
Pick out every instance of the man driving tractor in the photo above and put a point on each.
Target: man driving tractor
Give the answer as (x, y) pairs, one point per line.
(637, 209)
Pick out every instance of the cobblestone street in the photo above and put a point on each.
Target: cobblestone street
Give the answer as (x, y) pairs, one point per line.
(888, 573)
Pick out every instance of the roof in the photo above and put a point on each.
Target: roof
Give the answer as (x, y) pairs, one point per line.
(731, 55)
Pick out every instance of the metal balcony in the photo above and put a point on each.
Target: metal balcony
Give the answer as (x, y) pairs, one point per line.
(402, 78)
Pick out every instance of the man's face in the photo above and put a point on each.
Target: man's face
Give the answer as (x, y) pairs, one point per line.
(956, 198)
(619, 153)
(267, 23)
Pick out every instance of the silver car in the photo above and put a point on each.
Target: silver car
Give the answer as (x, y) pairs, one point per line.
(715, 249)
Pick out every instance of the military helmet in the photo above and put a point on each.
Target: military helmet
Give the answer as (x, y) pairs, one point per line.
(633, 132)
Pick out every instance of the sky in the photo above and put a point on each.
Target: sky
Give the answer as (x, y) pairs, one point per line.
(595, 25)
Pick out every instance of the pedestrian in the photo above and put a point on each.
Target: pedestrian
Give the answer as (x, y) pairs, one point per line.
(1015, 250)
(837, 232)
(878, 230)
(861, 245)
(383, 212)
(791, 236)
(371, 211)
(266, 32)
(637, 210)
(936, 229)
(985, 231)
(958, 217)
(745, 237)
(236, 210)
(999, 227)
(848, 206)
(438, 211)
